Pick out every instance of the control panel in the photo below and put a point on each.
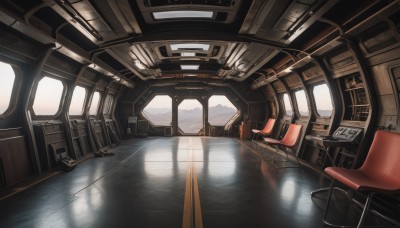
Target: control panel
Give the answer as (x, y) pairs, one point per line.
(347, 133)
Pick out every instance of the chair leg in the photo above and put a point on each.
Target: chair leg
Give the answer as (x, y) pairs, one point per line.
(365, 210)
(363, 215)
(287, 158)
(267, 159)
(255, 137)
(328, 201)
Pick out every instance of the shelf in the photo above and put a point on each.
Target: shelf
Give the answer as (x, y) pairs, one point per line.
(360, 105)
(354, 88)
(320, 123)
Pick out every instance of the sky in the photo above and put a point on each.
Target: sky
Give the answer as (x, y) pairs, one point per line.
(6, 85)
(48, 96)
(164, 101)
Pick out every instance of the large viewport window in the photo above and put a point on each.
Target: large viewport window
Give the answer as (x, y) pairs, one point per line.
(220, 110)
(323, 100)
(287, 104)
(302, 105)
(7, 78)
(48, 96)
(77, 101)
(159, 110)
(94, 106)
(190, 116)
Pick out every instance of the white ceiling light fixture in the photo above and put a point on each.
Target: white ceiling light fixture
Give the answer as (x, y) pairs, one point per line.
(190, 46)
(195, 14)
(189, 67)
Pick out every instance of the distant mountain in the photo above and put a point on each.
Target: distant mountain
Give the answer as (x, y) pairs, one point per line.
(219, 115)
(162, 117)
(190, 120)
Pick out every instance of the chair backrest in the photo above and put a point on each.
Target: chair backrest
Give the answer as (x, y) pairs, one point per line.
(292, 136)
(383, 159)
(268, 126)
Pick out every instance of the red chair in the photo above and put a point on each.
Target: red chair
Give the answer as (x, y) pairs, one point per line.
(380, 173)
(289, 141)
(264, 132)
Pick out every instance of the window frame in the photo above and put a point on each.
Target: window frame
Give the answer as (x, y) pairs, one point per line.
(290, 104)
(98, 104)
(62, 99)
(84, 101)
(234, 116)
(172, 111)
(110, 104)
(297, 103)
(15, 92)
(315, 103)
(177, 115)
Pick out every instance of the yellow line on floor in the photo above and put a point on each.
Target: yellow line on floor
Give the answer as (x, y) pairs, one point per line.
(198, 218)
(192, 216)
(187, 205)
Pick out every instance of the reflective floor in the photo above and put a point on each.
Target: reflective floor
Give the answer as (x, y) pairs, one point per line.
(144, 185)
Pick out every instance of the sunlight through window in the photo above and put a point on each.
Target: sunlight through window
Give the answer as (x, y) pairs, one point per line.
(159, 110)
(190, 116)
(94, 106)
(7, 78)
(323, 100)
(48, 96)
(288, 105)
(302, 105)
(220, 110)
(77, 101)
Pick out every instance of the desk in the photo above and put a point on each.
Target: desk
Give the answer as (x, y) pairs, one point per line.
(328, 142)
(245, 130)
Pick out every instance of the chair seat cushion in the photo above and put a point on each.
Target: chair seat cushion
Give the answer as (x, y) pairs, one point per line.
(359, 180)
(272, 141)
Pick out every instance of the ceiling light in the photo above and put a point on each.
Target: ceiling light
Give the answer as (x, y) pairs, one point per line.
(183, 14)
(189, 67)
(192, 46)
(139, 65)
(188, 54)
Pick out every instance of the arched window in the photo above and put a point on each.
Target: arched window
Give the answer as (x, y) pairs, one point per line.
(287, 104)
(159, 110)
(94, 106)
(7, 78)
(220, 110)
(48, 96)
(323, 100)
(77, 101)
(302, 105)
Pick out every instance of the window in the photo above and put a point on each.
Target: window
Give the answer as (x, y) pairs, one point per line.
(183, 14)
(302, 103)
(7, 78)
(220, 110)
(108, 103)
(48, 96)
(190, 116)
(288, 106)
(323, 100)
(159, 110)
(77, 101)
(94, 106)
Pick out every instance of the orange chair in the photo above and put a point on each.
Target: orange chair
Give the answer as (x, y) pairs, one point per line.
(289, 141)
(264, 132)
(380, 173)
